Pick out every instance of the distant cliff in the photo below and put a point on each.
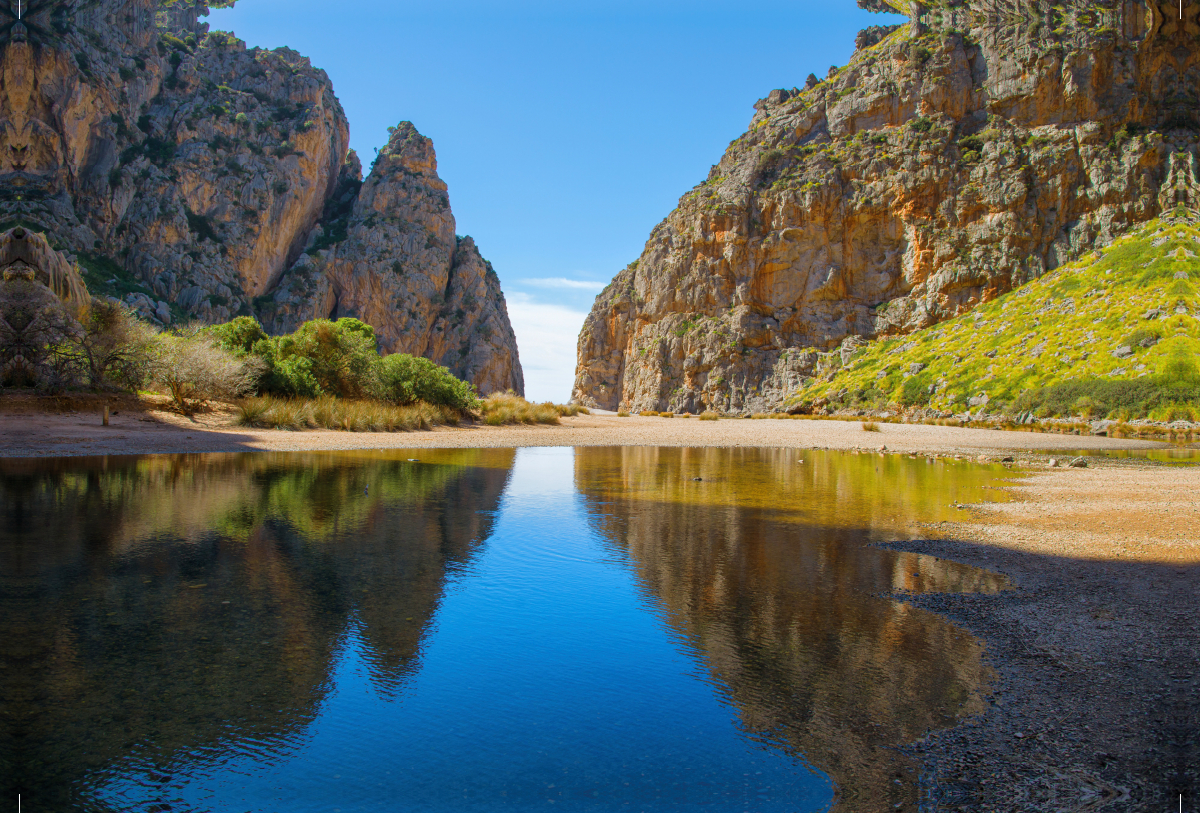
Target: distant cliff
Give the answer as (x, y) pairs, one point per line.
(183, 169)
(955, 158)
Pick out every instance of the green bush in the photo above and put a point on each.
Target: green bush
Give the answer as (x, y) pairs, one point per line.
(915, 391)
(291, 375)
(1178, 384)
(338, 358)
(238, 336)
(342, 355)
(403, 379)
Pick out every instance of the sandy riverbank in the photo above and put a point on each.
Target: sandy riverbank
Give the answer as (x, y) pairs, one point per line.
(39, 434)
(1097, 705)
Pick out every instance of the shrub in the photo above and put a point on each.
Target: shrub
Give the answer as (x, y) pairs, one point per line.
(648, 413)
(708, 416)
(508, 408)
(114, 351)
(1176, 384)
(341, 355)
(915, 391)
(666, 414)
(195, 370)
(238, 336)
(622, 414)
(870, 426)
(403, 379)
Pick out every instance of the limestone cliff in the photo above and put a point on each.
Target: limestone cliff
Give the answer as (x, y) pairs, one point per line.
(387, 254)
(199, 179)
(955, 158)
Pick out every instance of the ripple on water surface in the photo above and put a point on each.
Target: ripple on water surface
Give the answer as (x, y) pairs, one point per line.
(590, 629)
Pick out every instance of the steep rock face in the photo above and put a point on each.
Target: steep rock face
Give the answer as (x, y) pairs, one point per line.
(195, 173)
(936, 171)
(388, 254)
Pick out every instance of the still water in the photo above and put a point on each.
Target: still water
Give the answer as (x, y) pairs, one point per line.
(476, 630)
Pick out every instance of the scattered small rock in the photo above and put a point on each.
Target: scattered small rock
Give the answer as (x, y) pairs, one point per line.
(1079, 463)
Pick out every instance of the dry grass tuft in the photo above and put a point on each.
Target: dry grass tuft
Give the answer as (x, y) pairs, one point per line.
(708, 416)
(622, 414)
(507, 408)
(327, 412)
(648, 413)
(870, 426)
(666, 414)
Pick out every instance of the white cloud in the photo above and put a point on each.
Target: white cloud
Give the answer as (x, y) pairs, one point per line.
(546, 337)
(563, 282)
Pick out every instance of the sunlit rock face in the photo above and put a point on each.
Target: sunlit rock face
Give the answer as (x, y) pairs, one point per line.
(961, 155)
(212, 177)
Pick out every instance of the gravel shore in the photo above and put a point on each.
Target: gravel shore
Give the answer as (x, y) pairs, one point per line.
(1096, 706)
(36, 434)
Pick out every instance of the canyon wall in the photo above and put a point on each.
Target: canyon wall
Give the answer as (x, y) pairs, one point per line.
(201, 180)
(956, 157)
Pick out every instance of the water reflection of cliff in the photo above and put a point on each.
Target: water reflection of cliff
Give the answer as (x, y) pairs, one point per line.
(773, 587)
(112, 573)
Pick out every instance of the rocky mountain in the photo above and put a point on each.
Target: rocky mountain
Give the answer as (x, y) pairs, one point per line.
(199, 179)
(955, 158)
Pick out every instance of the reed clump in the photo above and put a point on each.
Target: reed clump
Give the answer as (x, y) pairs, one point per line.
(666, 414)
(622, 414)
(870, 426)
(709, 416)
(648, 413)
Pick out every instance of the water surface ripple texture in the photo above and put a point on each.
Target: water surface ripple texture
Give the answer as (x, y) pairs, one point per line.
(475, 630)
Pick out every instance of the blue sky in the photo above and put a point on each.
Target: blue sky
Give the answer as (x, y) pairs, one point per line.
(565, 130)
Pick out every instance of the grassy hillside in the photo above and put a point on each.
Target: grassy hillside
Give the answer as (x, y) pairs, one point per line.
(1113, 335)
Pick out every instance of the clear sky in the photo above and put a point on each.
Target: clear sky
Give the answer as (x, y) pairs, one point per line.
(565, 130)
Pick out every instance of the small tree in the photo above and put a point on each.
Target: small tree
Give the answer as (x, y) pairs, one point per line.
(196, 370)
(113, 351)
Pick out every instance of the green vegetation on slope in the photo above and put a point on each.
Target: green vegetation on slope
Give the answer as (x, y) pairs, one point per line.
(1115, 334)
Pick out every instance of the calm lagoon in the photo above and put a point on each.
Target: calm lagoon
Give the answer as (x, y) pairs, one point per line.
(475, 630)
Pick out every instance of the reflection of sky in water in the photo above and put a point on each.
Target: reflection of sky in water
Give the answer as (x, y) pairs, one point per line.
(544, 681)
